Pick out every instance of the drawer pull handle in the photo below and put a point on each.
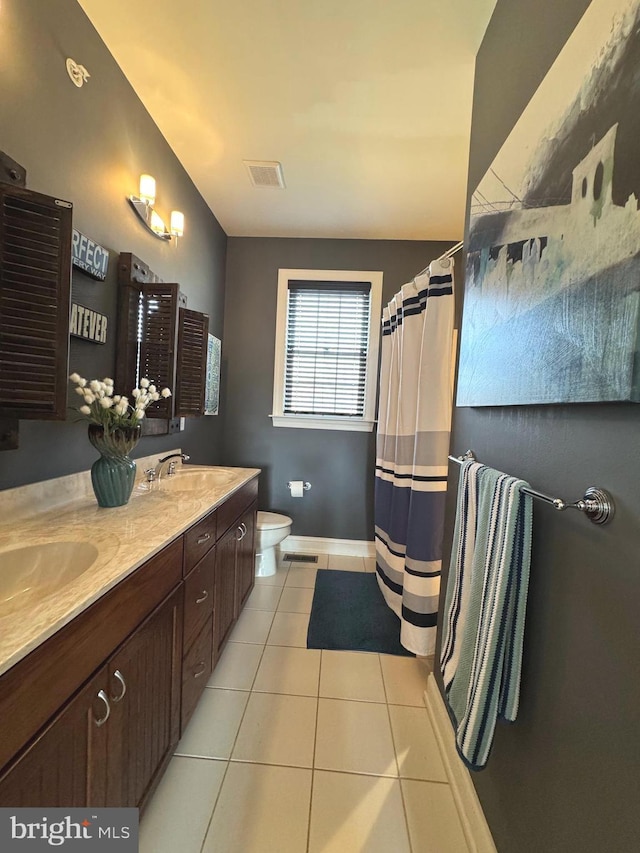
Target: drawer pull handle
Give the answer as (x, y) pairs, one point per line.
(118, 675)
(240, 535)
(244, 529)
(205, 595)
(204, 538)
(202, 670)
(100, 722)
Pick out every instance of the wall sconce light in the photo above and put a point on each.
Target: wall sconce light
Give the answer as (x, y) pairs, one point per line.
(143, 206)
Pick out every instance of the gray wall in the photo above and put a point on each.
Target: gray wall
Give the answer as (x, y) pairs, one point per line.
(564, 777)
(339, 465)
(89, 146)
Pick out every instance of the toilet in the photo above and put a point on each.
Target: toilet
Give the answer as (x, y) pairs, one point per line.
(271, 529)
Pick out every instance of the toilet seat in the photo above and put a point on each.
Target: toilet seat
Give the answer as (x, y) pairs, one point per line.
(272, 520)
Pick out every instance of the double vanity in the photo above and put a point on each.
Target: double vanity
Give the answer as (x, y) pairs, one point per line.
(111, 622)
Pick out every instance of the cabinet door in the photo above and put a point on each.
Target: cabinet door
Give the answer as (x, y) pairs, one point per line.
(245, 565)
(224, 594)
(144, 692)
(56, 769)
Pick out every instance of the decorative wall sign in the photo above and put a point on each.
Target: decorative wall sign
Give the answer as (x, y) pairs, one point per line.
(552, 286)
(212, 387)
(88, 324)
(88, 256)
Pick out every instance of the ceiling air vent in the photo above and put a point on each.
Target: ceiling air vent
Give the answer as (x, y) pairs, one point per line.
(265, 173)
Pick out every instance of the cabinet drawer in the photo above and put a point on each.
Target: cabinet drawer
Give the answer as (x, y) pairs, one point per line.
(198, 597)
(197, 667)
(198, 540)
(233, 508)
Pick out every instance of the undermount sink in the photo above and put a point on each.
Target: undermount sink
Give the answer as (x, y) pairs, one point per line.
(190, 478)
(33, 572)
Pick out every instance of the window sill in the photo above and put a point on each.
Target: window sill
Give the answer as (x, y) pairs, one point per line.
(310, 422)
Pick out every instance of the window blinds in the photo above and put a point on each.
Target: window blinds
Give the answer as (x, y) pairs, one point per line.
(326, 348)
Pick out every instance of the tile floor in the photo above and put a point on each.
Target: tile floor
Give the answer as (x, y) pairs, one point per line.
(296, 750)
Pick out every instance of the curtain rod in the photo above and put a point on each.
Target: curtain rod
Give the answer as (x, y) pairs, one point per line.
(445, 256)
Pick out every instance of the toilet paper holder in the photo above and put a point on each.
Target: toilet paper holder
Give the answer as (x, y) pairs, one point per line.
(305, 486)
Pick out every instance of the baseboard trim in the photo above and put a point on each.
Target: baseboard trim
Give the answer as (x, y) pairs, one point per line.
(474, 824)
(320, 545)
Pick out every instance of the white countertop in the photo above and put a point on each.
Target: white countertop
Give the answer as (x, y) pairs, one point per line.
(125, 537)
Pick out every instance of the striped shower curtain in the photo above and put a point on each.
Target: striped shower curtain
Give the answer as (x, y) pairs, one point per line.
(414, 421)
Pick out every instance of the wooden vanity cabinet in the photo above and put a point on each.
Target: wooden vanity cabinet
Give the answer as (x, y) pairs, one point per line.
(235, 560)
(224, 608)
(108, 743)
(55, 769)
(144, 696)
(197, 662)
(92, 716)
(103, 696)
(246, 557)
(221, 546)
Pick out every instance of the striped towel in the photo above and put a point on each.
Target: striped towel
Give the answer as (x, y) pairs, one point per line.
(485, 605)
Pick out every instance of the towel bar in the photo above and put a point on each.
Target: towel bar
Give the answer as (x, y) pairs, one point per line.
(596, 504)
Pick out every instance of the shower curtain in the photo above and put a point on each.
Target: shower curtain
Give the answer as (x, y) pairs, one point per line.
(414, 421)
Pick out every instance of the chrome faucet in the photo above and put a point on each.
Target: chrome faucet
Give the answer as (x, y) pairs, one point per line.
(156, 473)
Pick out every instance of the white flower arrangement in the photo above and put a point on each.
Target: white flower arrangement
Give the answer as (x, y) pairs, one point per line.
(113, 411)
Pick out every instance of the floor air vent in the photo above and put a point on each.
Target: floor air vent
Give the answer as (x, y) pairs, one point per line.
(300, 558)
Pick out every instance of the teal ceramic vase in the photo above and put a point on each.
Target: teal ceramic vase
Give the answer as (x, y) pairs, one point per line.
(113, 474)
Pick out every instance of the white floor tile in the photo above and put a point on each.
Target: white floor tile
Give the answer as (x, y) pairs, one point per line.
(354, 737)
(351, 675)
(264, 598)
(275, 580)
(301, 576)
(178, 814)
(357, 814)
(261, 810)
(237, 667)
(289, 670)
(434, 825)
(213, 728)
(289, 629)
(416, 745)
(405, 679)
(295, 600)
(253, 626)
(277, 730)
(345, 564)
(327, 710)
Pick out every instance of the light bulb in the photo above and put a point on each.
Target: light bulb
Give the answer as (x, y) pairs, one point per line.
(156, 224)
(148, 189)
(177, 223)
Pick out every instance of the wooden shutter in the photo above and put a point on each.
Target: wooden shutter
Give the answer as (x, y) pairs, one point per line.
(35, 285)
(158, 341)
(192, 363)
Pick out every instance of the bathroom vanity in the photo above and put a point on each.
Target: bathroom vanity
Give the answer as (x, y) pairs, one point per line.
(100, 677)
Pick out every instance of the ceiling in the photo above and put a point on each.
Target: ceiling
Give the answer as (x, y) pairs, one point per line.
(365, 103)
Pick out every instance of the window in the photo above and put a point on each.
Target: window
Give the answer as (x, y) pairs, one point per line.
(327, 337)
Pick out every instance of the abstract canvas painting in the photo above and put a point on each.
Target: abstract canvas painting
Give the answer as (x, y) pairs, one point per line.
(212, 382)
(552, 282)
